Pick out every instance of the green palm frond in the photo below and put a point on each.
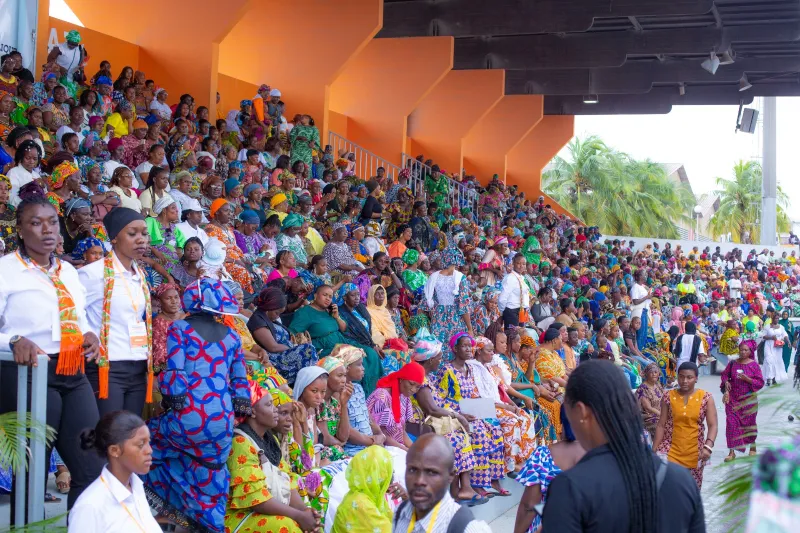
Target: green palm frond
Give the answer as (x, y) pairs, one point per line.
(10, 431)
(45, 526)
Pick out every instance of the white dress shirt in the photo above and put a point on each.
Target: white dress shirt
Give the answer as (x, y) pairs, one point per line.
(107, 505)
(19, 177)
(189, 232)
(735, 286)
(687, 341)
(127, 307)
(638, 292)
(514, 290)
(29, 305)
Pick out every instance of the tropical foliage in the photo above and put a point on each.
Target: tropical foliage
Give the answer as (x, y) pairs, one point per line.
(11, 431)
(739, 210)
(619, 194)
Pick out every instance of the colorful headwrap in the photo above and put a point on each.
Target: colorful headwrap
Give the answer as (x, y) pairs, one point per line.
(64, 170)
(75, 203)
(457, 337)
(216, 205)
(208, 295)
(162, 289)
(489, 293)
(347, 354)
(452, 256)
(104, 80)
(292, 221)
(279, 397)
(178, 157)
(73, 37)
(338, 298)
(354, 227)
(405, 173)
(410, 256)
(525, 340)
(330, 363)
(83, 246)
(244, 103)
(482, 342)
(277, 199)
(410, 372)
(426, 349)
(752, 344)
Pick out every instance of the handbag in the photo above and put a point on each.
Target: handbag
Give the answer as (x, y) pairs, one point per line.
(446, 425)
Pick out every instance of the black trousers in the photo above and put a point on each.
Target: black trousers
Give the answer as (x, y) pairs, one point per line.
(510, 317)
(127, 386)
(71, 409)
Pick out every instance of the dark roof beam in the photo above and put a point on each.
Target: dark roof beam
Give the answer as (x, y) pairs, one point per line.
(606, 49)
(469, 18)
(638, 77)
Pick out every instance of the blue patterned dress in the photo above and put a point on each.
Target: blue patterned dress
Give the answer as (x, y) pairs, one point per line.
(539, 469)
(447, 313)
(188, 481)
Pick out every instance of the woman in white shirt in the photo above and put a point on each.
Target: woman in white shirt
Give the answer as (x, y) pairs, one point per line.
(27, 158)
(157, 188)
(118, 310)
(116, 500)
(42, 303)
(122, 184)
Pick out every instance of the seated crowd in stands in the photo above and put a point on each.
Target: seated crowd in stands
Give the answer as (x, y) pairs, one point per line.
(286, 324)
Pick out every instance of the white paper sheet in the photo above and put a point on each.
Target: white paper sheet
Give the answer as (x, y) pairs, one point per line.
(478, 407)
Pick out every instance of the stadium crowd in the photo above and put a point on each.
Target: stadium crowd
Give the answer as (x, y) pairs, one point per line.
(289, 327)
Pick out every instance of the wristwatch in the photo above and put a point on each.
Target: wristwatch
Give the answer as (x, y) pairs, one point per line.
(13, 341)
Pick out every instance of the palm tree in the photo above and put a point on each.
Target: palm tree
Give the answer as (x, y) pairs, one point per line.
(740, 203)
(610, 189)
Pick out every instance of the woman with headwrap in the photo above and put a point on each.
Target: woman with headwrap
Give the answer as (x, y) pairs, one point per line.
(263, 497)
(486, 313)
(87, 251)
(390, 404)
(288, 358)
(358, 332)
(357, 233)
(649, 395)
(741, 380)
(455, 382)
(447, 298)
(384, 331)
(165, 237)
(64, 181)
(77, 224)
(203, 384)
(399, 214)
(220, 228)
(775, 338)
(289, 239)
(413, 277)
(333, 422)
(304, 139)
(170, 310)
(552, 368)
(338, 255)
(379, 273)
(252, 244)
(364, 508)
(519, 432)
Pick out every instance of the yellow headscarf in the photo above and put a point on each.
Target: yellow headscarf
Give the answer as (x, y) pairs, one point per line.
(364, 508)
(383, 328)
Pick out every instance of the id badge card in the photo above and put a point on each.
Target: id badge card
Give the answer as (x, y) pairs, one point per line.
(138, 336)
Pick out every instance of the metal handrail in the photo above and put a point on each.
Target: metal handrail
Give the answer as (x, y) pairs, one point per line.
(460, 195)
(35, 504)
(367, 163)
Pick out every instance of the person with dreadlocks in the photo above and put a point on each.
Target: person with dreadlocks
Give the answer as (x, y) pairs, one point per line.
(659, 496)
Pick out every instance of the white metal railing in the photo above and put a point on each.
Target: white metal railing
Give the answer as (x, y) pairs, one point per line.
(459, 196)
(367, 163)
(38, 410)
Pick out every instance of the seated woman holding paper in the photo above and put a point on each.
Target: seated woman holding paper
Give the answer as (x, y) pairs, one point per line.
(456, 380)
(390, 404)
(519, 431)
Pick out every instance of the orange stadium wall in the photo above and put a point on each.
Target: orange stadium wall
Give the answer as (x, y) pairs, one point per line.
(308, 45)
(498, 132)
(527, 160)
(233, 91)
(98, 45)
(383, 85)
(439, 124)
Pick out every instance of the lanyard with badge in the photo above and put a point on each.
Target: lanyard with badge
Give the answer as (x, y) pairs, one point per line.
(137, 331)
(434, 514)
(138, 524)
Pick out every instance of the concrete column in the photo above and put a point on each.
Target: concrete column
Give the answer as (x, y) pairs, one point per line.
(769, 183)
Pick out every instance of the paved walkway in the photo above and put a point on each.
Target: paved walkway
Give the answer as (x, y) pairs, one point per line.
(501, 512)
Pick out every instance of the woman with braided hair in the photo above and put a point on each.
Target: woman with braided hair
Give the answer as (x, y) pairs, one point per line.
(620, 485)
